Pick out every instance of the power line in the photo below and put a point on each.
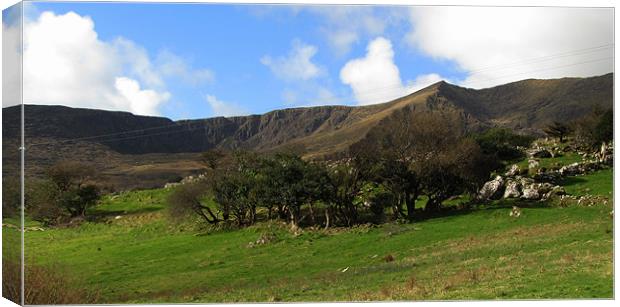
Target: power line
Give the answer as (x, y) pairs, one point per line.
(545, 69)
(547, 57)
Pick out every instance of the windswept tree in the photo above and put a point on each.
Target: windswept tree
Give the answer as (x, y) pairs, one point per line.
(190, 199)
(557, 130)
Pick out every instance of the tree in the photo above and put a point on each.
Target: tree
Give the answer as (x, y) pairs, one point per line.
(502, 143)
(427, 152)
(290, 183)
(42, 202)
(69, 174)
(67, 192)
(593, 129)
(558, 130)
(189, 199)
(211, 158)
(232, 192)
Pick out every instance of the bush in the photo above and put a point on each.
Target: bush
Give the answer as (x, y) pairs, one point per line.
(44, 286)
(502, 143)
(66, 193)
(11, 200)
(595, 128)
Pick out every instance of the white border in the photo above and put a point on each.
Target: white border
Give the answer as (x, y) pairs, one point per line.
(563, 3)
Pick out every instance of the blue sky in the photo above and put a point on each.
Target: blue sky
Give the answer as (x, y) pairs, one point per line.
(204, 60)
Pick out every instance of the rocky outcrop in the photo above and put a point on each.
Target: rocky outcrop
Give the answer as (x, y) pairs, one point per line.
(513, 189)
(519, 187)
(513, 171)
(492, 189)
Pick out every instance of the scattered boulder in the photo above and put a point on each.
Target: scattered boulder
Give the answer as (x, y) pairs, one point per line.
(492, 189)
(531, 164)
(515, 212)
(513, 189)
(513, 171)
(554, 191)
(530, 193)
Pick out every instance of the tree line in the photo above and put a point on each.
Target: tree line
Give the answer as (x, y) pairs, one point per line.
(408, 156)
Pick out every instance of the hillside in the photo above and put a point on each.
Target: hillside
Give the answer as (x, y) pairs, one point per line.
(119, 141)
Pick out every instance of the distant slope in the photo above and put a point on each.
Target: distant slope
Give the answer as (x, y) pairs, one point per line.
(315, 132)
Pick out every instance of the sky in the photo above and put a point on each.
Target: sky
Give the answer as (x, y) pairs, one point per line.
(204, 60)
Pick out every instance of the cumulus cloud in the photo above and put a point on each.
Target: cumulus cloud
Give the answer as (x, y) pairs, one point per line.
(376, 79)
(495, 45)
(297, 65)
(141, 101)
(65, 62)
(222, 108)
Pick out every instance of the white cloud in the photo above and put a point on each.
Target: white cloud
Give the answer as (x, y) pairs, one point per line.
(376, 79)
(297, 65)
(221, 108)
(497, 45)
(341, 40)
(171, 65)
(65, 62)
(141, 101)
(345, 25)
(423, 81)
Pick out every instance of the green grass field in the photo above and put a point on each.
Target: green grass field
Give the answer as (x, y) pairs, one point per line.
(565, 159)
(132, 253)
(548, 252)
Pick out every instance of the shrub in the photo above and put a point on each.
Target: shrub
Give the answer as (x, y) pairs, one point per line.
(43, 286)
(502, 143)
(595, 128)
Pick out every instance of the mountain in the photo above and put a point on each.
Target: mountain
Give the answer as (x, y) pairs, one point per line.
(58, 132)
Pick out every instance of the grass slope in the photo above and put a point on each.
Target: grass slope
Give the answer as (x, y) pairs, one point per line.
(483, 254)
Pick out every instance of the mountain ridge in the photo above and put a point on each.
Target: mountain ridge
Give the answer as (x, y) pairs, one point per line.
(60, 132)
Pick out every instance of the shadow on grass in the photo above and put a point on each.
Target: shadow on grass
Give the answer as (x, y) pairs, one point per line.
(451, 211)
(571, 181)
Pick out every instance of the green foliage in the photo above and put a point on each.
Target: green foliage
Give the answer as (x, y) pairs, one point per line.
(502, 143)
(558, 130)
(595, 128)
(11, 197)
(212, 158)
(65, 193)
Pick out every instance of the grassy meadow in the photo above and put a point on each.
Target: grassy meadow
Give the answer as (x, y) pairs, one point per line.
(134, 254)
